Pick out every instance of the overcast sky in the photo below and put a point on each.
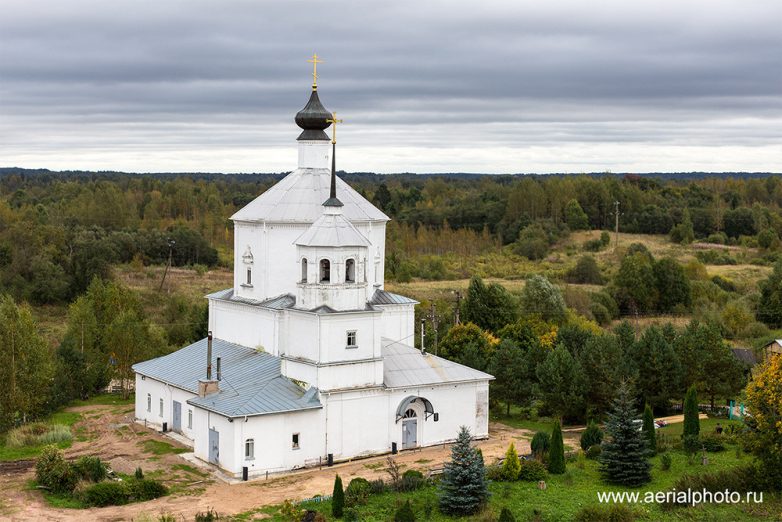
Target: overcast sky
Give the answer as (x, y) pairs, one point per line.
(423, 86)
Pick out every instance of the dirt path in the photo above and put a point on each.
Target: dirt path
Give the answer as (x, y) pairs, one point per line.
(115, 438)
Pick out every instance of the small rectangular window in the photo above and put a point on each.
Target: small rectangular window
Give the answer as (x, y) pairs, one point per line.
(249, 449)
(295, 441)
(149, 402)
(190, 419)
(352, 339)
(161, 407)
(249, 276)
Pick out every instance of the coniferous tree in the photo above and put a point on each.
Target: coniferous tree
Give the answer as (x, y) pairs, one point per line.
(562, 382)
(463, 488)
(506, 516)
(511, 465)
(648, 429)
(624, 457)
(591, 436)
(337, 498)
(659, 371)
(490, 307)
(692, 425)
(509, 367)
(556, 457)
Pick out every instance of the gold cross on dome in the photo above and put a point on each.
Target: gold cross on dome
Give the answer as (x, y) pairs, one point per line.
(334, 122)
(314, 61)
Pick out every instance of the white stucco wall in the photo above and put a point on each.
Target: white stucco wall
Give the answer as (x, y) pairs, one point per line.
(246, 325)
(158, 390)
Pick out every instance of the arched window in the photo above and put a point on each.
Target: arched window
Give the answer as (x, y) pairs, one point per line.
(350, 271)
(249, 449)
(304, 270)
(325, 271)
(149, 402)
(409, 414)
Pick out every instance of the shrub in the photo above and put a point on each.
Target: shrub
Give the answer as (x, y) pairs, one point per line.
(357, 492)
(532, 471)
(506, 516)
(591, 436)
(139, 474)
(712, 443)
(108, 493)
(405, 513)
(146, 489)
(541, 442)
(90, 468)
(411, 480)
(556, 460)
(36, 434)
(377, 486)
(209, 516)
(495, 473)
(665, 461)
(605, 299)
(337, 498)
(740, 479)
(605, 238)
(593, 452)
(53, 472)
(511, 466)
(606, 513)
(600, 313)
(313, 516)
(351, 515)
(291, 512)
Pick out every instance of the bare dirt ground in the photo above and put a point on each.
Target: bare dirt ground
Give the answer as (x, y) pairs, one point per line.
(110, 433)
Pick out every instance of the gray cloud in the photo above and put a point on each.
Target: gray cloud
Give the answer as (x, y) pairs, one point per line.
(445, 86)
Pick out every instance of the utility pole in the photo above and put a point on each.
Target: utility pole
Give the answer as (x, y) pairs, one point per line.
(433, 318)
(423, 334)
(616, 225)
(171, 244)
(456, 319)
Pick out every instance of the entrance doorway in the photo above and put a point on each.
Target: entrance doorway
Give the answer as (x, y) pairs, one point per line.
(409, 429)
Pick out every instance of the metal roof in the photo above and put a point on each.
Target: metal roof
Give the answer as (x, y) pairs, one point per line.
(279, 302)
(405, 366)
(381, 297)
(745, 355)
(251, 382)
(299, 197)
(332, 230)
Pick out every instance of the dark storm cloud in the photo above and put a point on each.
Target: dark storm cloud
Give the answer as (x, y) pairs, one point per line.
(107, 77)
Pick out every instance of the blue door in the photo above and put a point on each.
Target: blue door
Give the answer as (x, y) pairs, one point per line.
(214, 446)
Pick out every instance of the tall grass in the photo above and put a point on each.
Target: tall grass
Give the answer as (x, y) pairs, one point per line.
(37, 434)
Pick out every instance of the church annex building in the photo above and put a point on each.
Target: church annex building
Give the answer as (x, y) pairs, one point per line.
(309, 360)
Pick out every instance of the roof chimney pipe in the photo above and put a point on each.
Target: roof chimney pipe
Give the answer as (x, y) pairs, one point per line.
(209, 356)
(219, 374)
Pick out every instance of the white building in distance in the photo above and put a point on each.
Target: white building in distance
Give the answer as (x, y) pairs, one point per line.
(311, 359)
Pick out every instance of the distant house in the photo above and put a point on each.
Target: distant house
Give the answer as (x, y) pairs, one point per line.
(772, 348)
(746, 356)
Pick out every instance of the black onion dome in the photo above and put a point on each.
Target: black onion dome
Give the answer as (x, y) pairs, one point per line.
(312, 118)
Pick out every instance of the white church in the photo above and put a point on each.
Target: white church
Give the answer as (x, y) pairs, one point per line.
(309, 360)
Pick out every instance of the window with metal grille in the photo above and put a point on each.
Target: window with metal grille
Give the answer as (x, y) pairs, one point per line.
(352, 339)
(295, 441)
(249, 449)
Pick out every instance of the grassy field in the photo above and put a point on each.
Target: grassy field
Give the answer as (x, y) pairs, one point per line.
(566, 495)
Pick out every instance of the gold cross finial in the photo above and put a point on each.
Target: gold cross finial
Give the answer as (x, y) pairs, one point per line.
(334, 122)
(314, 61)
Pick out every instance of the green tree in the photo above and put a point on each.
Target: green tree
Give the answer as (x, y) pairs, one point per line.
(532, 243)
(575, 216)
(405, 513)
(723, 373)
(562, 383)
(511, 465)
(337, 498)
(26, 366)
(506, 516)
(540, 445)
(683, 232)
(659, 371)
(509, 367)
(463, 489)
(648, 429)
(556, 456)
(764, 400)
(672, 285)
(602, 374)
(692, 423)
(769, 308)
(540, 297)
(585, 272)
(467, 344)
(635, 284)
(490, 307)
(623, 460)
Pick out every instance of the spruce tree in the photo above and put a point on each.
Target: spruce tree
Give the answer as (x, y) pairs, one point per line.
(463, 488)
(591, 436)
(648, 429)
(337, 498)
(692, 426)
(556, 457)
(623, 459)
(511, 465)
(506, 516)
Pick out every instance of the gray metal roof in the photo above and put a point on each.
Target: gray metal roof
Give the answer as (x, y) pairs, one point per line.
(381, 297)
(332, 230)
(279, 302)
(745, 355)
(251, 381)
(299, 197)
(405, 366)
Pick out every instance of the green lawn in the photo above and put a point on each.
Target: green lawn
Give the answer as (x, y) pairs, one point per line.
(707, 426)
(105, 399)
(157, 447)
(30, 452)
(565, 496)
